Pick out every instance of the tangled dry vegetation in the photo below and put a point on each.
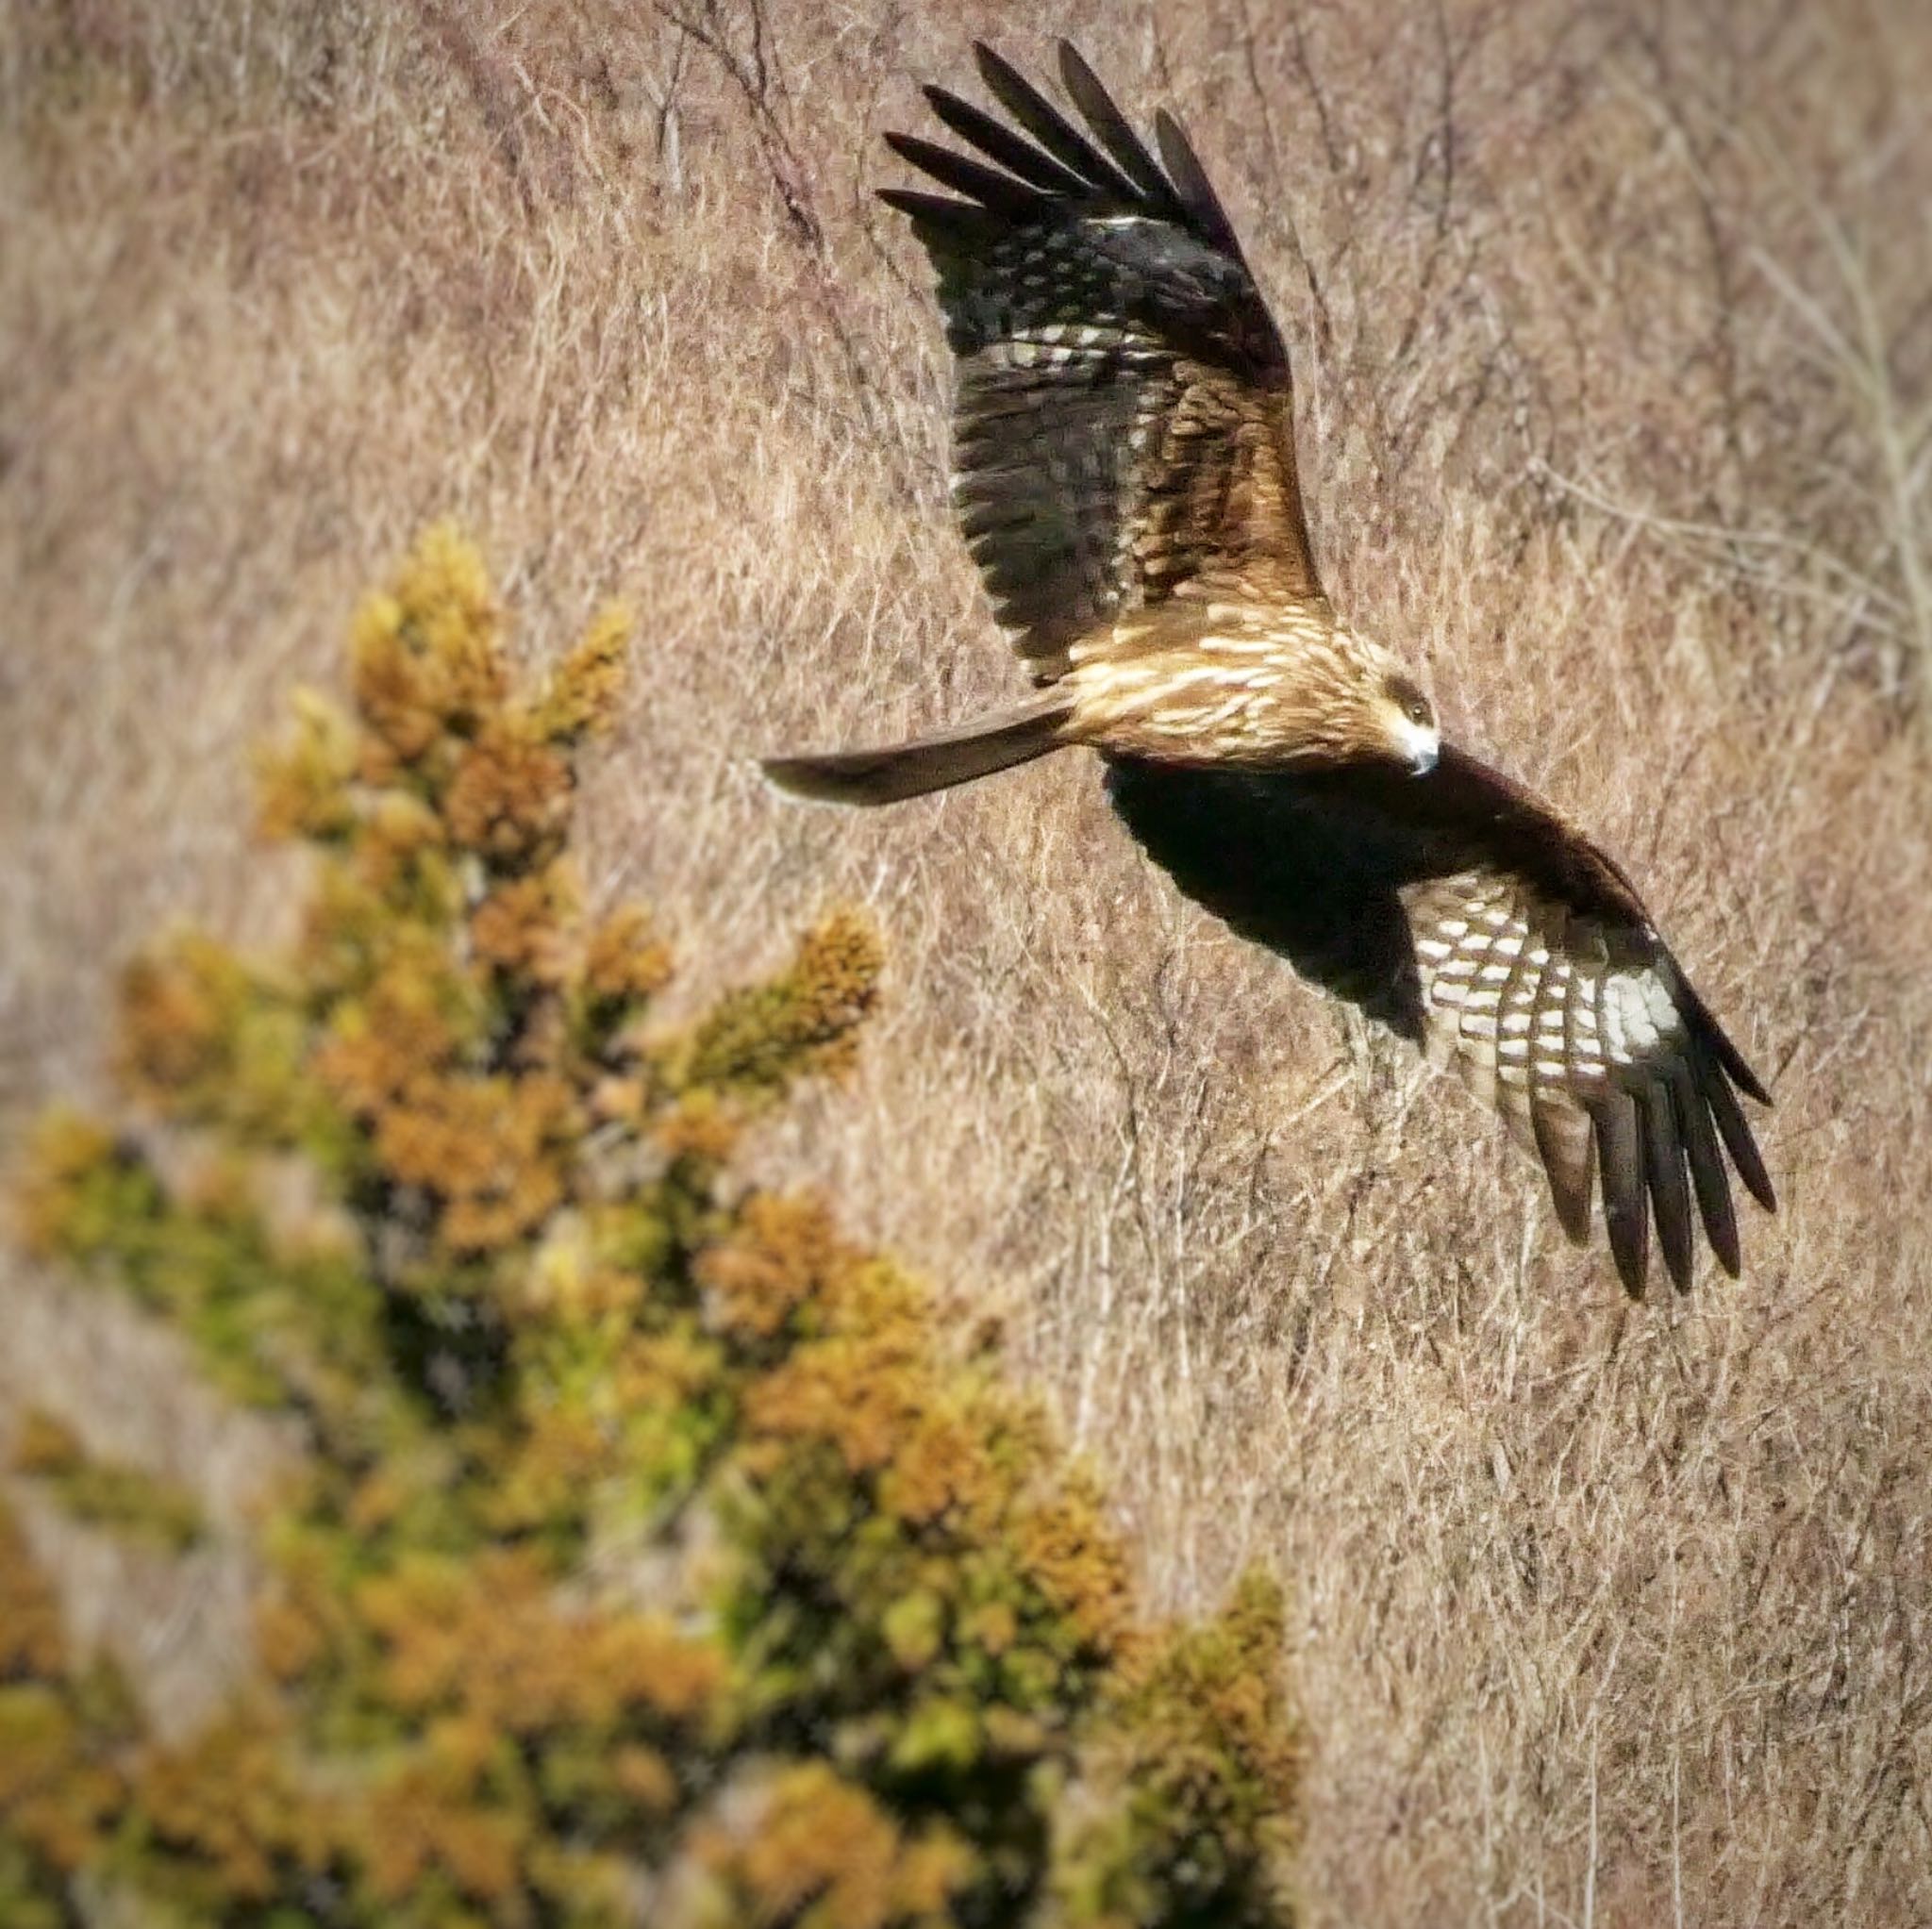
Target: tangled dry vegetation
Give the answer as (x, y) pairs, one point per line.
(1613, 346)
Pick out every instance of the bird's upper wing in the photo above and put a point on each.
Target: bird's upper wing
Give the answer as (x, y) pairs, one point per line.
(1124, 424)
(1469, 915)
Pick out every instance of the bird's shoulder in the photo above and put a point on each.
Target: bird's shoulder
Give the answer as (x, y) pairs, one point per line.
(1221, 620)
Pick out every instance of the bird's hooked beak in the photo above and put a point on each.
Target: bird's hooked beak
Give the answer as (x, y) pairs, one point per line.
(1423, 745)
(1415, 736)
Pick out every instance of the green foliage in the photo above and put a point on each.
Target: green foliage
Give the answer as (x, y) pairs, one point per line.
(652, 1560)
(109, 1494)
(62, 1730)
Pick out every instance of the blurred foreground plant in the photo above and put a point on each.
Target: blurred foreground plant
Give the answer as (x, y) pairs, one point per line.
(651, 1558)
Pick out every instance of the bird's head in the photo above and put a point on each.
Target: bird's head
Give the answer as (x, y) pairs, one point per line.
(1376, 711)
(1408, 720)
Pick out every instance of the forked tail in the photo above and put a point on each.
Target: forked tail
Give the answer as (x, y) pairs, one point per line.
(899, 770)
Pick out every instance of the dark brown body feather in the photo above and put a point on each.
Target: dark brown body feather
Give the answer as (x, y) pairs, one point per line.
(1125, 478)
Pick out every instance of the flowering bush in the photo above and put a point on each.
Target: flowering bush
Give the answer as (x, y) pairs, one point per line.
(651, 1558)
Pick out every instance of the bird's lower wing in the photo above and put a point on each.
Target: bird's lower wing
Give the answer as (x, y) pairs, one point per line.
(1472, 918)
(1544, 983)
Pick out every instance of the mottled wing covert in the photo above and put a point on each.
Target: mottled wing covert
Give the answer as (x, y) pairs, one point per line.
(1124, 424)
(1543, 982)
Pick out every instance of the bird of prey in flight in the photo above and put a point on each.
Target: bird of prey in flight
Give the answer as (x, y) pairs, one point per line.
(1124, 476)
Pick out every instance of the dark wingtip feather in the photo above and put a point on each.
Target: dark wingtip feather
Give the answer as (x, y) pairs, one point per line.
(1047, 153)
(1000, 144)
(1042, 119)
(819, 778)
(1626, 1208)
(1741, 1076)
(936, 215)
(999, 193)
(1190, 181)
(1669, 1183)
(1736, 1133)
(1710, 1175)
(1714, 1035)
(1113, 130)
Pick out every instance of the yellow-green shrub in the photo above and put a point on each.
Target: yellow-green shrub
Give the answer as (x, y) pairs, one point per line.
(651, 1561)
(111, 1494)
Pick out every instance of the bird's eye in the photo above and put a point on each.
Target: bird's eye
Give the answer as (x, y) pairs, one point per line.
(1412, 702)
(1405, 695)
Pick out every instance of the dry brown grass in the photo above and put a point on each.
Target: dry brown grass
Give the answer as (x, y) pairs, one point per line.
(1613, 335)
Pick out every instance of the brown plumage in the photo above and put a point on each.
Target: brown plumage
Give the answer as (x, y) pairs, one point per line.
(1125, 478)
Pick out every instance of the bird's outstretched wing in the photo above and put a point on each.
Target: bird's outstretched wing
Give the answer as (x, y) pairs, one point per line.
(1473, 920)
(1124, 424)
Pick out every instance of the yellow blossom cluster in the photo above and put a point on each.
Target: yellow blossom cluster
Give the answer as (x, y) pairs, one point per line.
(427, 657)
(653, 1555)
(62, 1735)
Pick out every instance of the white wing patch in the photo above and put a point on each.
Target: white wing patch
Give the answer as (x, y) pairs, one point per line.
(1638, 1015)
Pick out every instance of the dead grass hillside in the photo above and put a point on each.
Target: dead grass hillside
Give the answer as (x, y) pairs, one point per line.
(1613, 327)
